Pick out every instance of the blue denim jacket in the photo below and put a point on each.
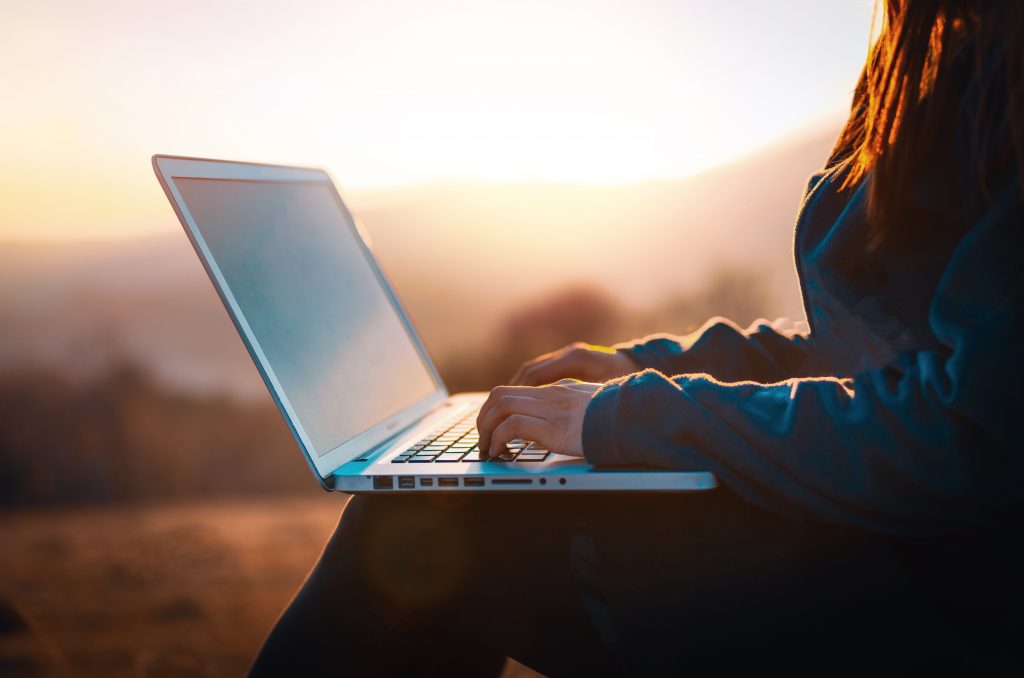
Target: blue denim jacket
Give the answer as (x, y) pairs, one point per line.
(896, 413)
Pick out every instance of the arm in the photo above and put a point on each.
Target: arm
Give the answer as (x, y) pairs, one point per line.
(763, 352)
(927, 445)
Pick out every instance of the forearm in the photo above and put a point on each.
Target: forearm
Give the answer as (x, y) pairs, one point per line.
(762, 352)
(892, 458)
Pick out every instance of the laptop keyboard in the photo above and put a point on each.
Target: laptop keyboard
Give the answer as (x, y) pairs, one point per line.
(460, 442)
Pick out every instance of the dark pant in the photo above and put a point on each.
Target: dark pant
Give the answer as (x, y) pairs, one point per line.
(601, 584)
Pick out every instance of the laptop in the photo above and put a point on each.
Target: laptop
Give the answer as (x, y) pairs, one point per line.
(337, 351)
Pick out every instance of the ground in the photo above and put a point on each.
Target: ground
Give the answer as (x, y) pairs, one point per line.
(186, 589)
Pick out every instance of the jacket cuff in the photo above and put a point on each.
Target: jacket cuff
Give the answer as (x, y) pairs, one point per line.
(659, 353)
(600, 432)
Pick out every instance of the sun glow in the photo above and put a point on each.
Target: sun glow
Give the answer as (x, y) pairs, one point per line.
(399, 92)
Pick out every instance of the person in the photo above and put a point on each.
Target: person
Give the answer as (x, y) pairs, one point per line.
(869, 513)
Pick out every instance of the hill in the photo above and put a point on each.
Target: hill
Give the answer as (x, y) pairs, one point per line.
(495, 249)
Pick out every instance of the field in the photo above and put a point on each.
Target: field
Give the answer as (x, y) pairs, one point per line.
(157, 591)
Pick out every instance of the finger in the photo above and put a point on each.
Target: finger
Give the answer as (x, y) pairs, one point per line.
(518, 426)
(499, 392)
(496, 394)
(550, 371)
(504, 408)
(517, 378)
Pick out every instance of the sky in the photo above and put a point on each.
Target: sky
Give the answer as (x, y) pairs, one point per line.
(391, 93)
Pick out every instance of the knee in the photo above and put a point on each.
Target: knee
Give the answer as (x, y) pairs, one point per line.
(365, 512)
(410, 551)
(381, 528)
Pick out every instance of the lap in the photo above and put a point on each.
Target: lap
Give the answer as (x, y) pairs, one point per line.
(569, 582)
(484, 571)
(711, 582)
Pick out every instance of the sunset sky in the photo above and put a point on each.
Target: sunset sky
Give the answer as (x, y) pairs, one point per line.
(391, 93)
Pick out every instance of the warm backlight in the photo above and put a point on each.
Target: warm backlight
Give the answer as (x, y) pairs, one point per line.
(400, 92)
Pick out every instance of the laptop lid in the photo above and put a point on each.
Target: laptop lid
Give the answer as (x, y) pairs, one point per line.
(320, 320)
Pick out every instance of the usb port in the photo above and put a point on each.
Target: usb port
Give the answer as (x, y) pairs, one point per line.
(426, 482)
(473, 482)
(447, 482)
(383, 483)
(406, 482)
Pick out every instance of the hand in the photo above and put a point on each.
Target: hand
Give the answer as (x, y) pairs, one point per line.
(549, 415)
(575, 361)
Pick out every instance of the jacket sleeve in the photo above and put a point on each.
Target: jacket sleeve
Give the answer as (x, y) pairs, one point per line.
(763, 352)
(927, 445)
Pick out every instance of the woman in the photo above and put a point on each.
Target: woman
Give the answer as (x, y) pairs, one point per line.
(872, 475)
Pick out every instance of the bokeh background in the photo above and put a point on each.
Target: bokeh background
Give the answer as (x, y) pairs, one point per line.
(530, 173)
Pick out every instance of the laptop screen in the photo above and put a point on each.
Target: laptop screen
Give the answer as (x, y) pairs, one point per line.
(314, 301)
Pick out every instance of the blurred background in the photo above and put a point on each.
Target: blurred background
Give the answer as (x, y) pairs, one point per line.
(530, 173)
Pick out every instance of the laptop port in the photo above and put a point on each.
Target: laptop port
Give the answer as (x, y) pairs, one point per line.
(447, 482)
(511, 481)
(473, 482)
(406, 482)
(383, 483)
(426, 482)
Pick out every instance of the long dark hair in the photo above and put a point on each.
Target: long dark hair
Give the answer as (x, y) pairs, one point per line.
(937, 68)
